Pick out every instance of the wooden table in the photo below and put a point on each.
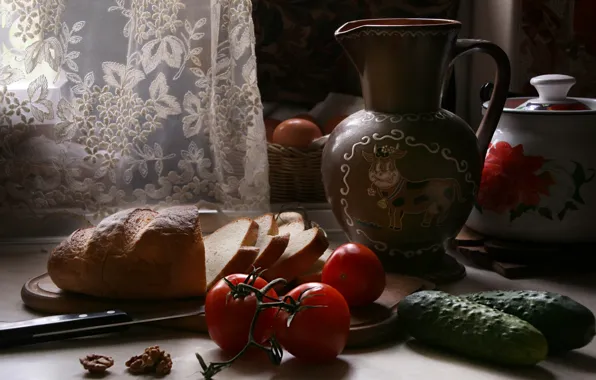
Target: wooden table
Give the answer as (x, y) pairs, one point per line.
(400, 360)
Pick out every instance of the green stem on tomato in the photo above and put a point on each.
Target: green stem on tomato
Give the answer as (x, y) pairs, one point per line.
(215, 367)
(237, 291)
(274, 352)
(267, 287)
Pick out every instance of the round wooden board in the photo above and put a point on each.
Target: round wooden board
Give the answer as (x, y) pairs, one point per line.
(378, 323)
(371, 325)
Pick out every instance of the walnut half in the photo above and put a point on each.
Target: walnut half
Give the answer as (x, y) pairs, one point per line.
(152, 360)
(96, 363)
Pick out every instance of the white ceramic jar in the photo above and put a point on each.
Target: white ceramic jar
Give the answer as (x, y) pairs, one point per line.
(538, 182)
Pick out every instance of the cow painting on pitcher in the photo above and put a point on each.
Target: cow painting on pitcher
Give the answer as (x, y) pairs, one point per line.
(431, 197)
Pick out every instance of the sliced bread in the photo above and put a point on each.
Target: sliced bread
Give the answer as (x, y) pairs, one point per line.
(292, 228)
(270, 250)
(303, 250)
(315, 272)
(242, 262)
(230, 249)
(287, 217)
(271, 245)
(267, 225)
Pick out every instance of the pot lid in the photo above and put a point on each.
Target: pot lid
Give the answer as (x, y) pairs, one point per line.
(552, 95)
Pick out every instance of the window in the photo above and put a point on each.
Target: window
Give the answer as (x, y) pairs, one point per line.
(29, 77)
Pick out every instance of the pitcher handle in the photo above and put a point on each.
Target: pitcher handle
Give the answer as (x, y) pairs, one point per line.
(489, 122)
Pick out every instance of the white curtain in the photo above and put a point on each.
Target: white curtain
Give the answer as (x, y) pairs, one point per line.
(106, 104)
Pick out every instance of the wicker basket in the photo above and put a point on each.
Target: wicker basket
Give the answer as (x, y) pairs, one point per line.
(295, 174)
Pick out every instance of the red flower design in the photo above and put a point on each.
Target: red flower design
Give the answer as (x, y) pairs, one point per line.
(509, 178)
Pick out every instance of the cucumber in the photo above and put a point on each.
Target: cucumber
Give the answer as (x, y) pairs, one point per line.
(443, 320)
(566, 324)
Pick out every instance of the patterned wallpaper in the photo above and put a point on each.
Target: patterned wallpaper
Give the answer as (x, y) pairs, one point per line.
(559, 36)
(300, 61)
(298, 58)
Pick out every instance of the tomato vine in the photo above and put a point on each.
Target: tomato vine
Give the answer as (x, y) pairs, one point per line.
(244, 289)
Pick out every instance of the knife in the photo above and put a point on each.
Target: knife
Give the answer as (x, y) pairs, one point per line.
(67, 326)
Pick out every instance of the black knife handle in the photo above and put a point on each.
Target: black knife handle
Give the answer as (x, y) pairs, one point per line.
(61, 327)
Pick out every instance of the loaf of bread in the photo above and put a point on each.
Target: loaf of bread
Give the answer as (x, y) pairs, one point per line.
(144, 254)
(134, 254)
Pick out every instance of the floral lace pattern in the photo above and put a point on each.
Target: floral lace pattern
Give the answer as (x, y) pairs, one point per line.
(157, 103)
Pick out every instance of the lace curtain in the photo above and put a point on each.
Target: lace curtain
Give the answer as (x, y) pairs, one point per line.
(106, 104)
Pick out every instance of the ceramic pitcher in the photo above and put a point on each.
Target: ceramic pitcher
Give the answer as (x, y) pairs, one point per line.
(401, 174)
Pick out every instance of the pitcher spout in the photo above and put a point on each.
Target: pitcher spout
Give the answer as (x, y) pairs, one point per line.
(401, 61)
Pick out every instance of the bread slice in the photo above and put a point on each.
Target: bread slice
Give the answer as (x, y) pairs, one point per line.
(271, 245)
(267, 225)
(288, 217)
(223, 253)
(270, 250)
(304, 249)
(242, 263)
(315, 272)
(292, 228)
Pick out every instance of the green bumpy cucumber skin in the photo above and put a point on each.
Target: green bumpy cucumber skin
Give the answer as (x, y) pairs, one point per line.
(443, 320)
(566, 324)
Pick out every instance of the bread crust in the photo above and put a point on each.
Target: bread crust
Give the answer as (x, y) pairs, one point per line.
(315, 273)
(67, 265)
(134, 254)
(242, 262)
(287, 217)
(299, 262)
(253, 234)
(271, 251)
(267, 224)
(140, 253)
(241, 253)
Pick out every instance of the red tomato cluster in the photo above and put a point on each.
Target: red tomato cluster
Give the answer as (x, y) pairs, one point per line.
(314, 334)
(318, 331)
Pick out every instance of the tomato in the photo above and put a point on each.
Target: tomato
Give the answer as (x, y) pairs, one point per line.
(228, 319)
(356, 272)
(298, 133)
(317, 334)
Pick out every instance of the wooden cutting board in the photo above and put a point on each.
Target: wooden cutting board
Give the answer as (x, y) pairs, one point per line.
(371, 325)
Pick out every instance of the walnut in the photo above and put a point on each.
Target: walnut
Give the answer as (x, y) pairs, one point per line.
(164, 366)
(152, 360)
(96, 363)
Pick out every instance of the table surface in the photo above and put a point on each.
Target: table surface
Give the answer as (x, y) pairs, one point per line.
(399, 360)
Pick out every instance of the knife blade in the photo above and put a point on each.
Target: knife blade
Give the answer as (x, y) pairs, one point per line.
(68, 326)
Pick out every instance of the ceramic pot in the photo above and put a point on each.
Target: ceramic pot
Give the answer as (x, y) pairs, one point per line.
(538, 180)
(401, 174)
